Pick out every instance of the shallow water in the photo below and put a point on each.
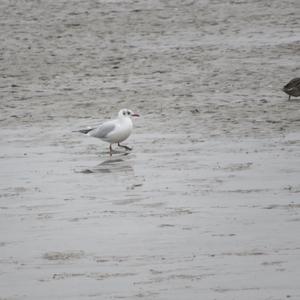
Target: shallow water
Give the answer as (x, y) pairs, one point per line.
(207, 203)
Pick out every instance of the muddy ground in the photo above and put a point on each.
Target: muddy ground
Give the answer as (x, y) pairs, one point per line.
(206, 206)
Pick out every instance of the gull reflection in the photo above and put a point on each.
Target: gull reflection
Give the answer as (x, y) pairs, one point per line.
(117, 164)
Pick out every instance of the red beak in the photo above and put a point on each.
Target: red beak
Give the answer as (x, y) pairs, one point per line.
(135, 115)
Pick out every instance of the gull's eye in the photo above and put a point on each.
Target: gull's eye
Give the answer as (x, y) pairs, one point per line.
(128, 112)
(124, 113)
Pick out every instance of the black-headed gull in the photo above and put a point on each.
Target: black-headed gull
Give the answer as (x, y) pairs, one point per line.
(114, 131)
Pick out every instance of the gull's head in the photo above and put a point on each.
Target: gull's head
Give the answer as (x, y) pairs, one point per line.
(127, 113)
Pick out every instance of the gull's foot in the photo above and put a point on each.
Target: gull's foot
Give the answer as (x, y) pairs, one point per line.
(125, 147)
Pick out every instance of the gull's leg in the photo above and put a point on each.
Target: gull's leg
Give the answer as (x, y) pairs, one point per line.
(289, 97)
(110, 150)
(123, 146)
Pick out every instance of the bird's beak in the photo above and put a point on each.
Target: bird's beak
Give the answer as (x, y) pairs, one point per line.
(135, 115)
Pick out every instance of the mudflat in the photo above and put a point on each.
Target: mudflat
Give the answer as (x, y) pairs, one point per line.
(206, 206)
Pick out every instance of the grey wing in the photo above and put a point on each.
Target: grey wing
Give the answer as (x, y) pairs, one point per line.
(102, 131)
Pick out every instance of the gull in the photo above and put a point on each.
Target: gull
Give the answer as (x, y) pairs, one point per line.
(114, 131)
(292, 88)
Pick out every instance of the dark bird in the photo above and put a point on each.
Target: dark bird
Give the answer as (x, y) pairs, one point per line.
(292, 88)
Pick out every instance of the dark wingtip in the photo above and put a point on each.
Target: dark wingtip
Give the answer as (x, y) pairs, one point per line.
(84, 131)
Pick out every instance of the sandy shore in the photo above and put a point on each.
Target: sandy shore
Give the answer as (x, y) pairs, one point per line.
(206, 206)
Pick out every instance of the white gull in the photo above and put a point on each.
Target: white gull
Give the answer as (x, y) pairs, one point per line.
(114, 131)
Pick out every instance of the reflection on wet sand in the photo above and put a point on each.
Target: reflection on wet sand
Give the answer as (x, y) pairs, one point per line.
(117, 164)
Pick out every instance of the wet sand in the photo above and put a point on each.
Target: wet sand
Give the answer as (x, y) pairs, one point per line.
(207, 203)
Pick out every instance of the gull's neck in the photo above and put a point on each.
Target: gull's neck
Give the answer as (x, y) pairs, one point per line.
(124, 118)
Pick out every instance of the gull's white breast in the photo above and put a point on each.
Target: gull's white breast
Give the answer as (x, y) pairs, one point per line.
(122, 130)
